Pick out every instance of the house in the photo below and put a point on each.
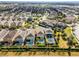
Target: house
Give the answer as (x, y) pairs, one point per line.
(3, 22)
(40, 40)
(6, 24)
(3, 33)
(28, 13)
(12, 24)
(30, 38)
(49, 36)
(19, 23)
(8, 38)
(70, 18)
(18, 41)
(19, 37)
(0, 24)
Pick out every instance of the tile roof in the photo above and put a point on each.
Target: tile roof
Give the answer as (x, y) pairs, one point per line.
(3, 33)
(10, 35)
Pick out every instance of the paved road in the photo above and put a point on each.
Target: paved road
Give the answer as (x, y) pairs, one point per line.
(39, 53)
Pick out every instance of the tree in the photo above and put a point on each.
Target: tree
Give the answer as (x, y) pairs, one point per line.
(70, 43)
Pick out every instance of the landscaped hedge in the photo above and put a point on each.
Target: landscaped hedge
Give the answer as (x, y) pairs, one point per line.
(39, 49)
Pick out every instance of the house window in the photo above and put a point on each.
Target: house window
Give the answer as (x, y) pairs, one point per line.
(40, 39)
(28, 41)
(49, 35)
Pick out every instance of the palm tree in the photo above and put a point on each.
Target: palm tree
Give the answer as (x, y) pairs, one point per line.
(64, 35)
(70, 43)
